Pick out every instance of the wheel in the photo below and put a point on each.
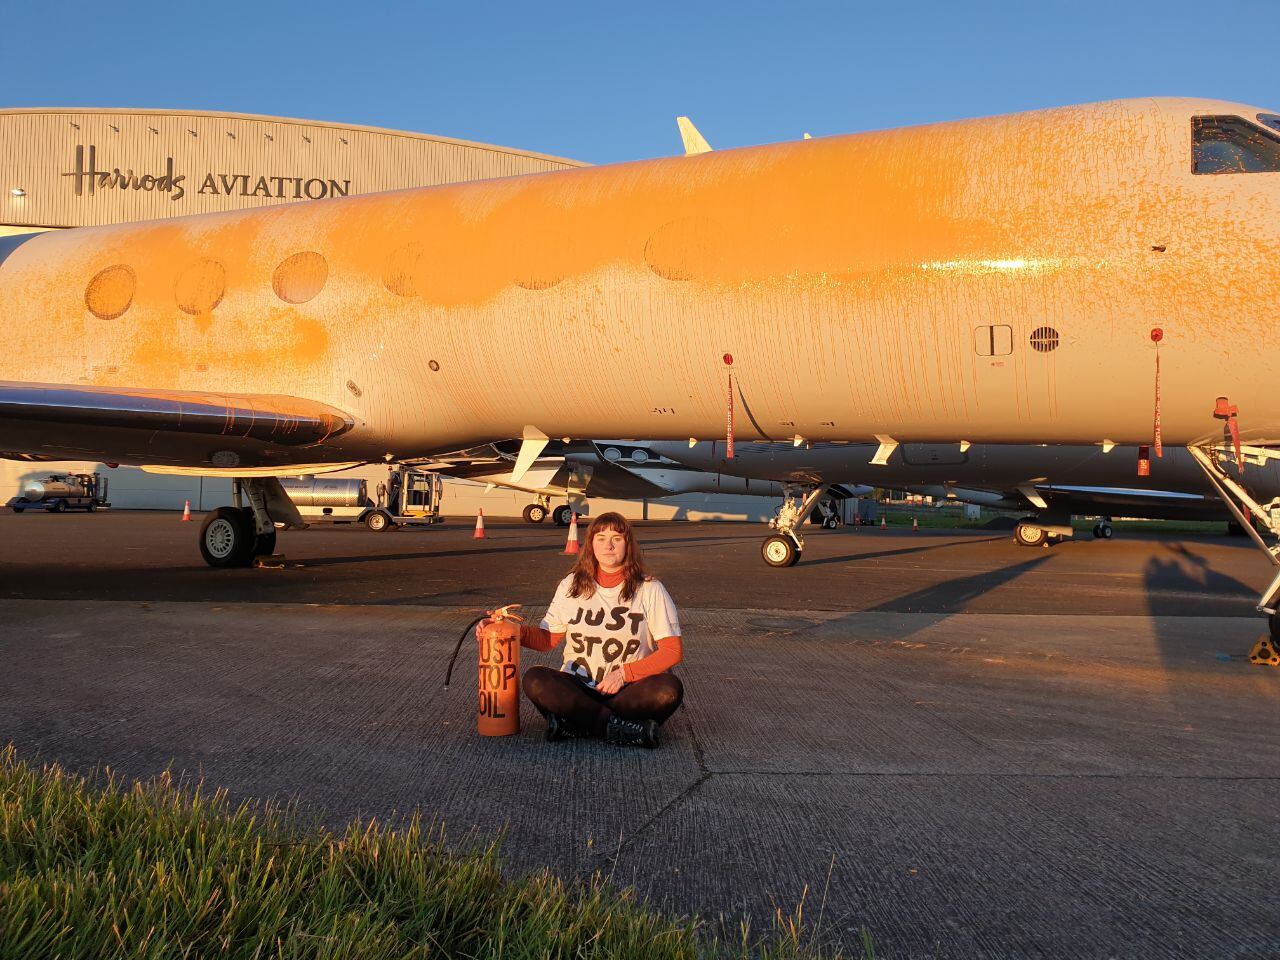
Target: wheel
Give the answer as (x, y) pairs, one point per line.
(1029, 535)
(378, 521)
(779, 551)
(1097, 531)
(57, 506)
(1107, 532)
(535, 513)
(91, 507)
(831, 522)
(562, 516)
(18, 509)
(227, 538)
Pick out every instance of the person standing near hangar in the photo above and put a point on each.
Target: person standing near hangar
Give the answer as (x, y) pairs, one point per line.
(621, 636)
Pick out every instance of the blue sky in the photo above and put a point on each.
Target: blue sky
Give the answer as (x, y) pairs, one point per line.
(603, 81)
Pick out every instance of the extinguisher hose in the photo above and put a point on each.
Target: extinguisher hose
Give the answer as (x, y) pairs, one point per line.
(454, 659)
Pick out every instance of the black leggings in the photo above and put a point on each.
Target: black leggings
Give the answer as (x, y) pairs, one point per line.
(554, 691)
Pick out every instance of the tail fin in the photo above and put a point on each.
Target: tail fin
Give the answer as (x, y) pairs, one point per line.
(694, 142)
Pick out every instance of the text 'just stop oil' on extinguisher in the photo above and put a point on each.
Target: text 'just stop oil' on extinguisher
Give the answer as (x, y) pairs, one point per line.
(498, 637)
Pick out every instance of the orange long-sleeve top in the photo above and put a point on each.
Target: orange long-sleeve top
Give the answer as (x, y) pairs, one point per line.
(669, 652)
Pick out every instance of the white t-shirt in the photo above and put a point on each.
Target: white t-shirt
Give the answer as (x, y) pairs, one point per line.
(604, 631)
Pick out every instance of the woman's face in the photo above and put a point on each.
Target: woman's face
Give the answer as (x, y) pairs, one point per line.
(610, 548)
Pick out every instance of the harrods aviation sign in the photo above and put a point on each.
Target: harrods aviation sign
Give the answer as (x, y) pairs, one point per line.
(89, 179)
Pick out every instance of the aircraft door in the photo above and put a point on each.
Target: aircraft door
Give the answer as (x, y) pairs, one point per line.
(995, 371)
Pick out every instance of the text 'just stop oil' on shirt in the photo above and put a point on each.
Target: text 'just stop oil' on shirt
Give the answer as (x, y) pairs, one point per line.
(604, 631)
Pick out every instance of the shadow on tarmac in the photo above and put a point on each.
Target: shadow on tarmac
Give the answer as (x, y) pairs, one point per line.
(1188, 572)
(899, 552)
(952, 596)
(472, 551)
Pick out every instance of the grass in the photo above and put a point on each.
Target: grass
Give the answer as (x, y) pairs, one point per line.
(160, 870)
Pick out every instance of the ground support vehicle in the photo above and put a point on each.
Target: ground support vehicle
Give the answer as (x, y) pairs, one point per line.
(63, 491)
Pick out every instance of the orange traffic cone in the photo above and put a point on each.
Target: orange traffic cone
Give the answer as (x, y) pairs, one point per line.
(883, 525)
(186, 512)
(479, 534)
(915, 525)
(571, 545)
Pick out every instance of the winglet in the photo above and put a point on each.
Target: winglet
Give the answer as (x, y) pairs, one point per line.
(694, 142)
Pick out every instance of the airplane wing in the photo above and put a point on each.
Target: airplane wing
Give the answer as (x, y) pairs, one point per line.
(164, 427)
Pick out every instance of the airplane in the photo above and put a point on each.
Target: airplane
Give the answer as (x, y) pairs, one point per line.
(1069, 276)
(582, 469)
(1055, 482)
(616, 469)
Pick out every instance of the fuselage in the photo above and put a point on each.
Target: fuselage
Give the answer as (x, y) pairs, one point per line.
(995, 280)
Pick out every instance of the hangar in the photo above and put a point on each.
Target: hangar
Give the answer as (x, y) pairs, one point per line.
(76, 168)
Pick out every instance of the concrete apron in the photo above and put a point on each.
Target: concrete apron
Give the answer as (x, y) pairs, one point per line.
(961, 785)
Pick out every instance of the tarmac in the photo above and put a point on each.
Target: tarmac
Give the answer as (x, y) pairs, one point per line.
(968, 748)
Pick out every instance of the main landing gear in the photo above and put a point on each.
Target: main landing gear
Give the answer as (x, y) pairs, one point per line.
(783, 549)
(1102, 529)
(239, 536)
(537, 512)
(1042, 531)
(1211, 459)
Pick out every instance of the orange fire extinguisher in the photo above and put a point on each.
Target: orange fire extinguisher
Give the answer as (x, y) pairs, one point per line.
(498, 636)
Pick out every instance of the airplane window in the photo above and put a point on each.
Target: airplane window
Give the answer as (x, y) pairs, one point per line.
(1231, 145)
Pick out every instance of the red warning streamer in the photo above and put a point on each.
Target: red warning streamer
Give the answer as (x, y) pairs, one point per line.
(728, 441)
(1156, 336)
(1226, 410)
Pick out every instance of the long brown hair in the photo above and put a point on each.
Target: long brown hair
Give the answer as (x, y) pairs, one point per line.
(583, 570)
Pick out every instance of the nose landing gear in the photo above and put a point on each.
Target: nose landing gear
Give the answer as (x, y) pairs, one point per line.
(783, 549)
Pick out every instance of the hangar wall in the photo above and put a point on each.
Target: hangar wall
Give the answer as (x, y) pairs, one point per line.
(73, 168)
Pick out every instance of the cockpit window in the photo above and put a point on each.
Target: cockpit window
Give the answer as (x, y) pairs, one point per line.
(1232, 145)
(1269, 120)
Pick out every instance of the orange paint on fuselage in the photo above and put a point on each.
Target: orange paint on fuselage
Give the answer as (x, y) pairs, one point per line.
(848, 277)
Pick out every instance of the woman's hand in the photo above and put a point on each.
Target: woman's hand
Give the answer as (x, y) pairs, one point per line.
(613, 681)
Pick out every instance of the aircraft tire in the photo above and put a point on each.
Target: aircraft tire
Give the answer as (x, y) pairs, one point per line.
(227, 538)
(830, 523)
(1103, 531)
(378, 521)
(535, 513)
(779, 551)
(1029, 535)
(562, 515)
(264, 544)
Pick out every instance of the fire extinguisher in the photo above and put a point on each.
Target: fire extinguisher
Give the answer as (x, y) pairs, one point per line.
(498, 636)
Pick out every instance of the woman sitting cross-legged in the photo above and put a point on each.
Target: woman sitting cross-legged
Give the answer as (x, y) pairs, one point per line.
(621, 638)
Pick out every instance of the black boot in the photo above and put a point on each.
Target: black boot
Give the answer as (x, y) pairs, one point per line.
(558, 728)
(632, 733)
